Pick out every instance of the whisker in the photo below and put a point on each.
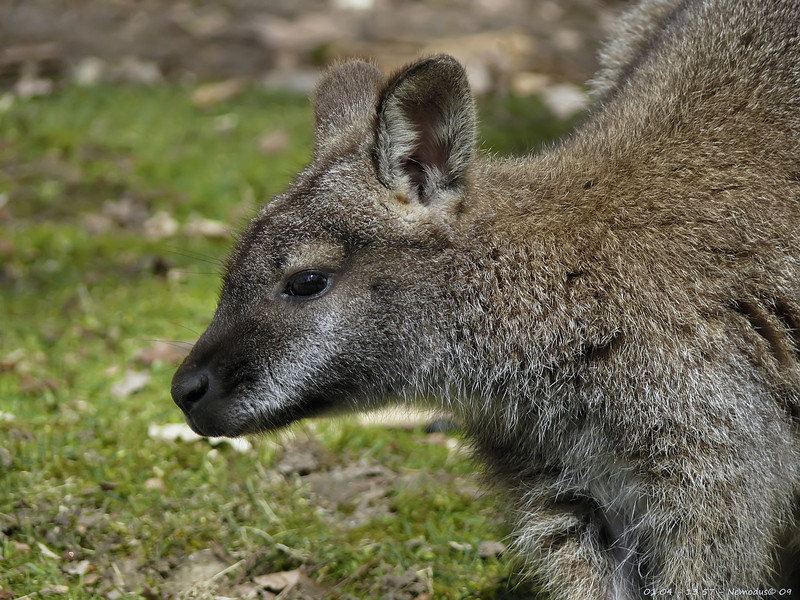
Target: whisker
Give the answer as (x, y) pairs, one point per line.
(182, 344)
(199, 256)
(189, 272)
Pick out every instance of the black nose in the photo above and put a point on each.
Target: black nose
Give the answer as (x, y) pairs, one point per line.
(189, 386)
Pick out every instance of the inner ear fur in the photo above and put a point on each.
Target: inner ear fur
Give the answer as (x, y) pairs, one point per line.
(425, 132)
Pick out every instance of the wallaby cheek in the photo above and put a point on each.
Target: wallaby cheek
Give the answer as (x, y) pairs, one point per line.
(294, 362)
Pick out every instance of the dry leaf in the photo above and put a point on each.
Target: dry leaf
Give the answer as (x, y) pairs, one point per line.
(487, 549)
(155, 483)
(565, 100)
(166, 352)
(460, 547)
(179, 431)
(213, 230)
(79, 568)
(277, 582)
(46, 551)
(172, 432)
(130, 384)
(274, 142)
(59, 590)
(214, 93)
(161, 225)
(32, 87)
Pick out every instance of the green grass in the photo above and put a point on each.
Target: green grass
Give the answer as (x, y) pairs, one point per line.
(84, 291)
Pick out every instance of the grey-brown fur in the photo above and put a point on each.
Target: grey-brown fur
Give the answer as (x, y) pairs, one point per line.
(615, 322)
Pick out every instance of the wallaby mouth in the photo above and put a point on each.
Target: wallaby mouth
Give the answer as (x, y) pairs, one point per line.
(213, 407)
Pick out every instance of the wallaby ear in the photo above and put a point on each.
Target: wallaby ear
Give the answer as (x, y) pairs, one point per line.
(426, 129)
(345, 100)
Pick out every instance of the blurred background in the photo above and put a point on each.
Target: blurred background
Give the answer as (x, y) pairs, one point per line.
(519, 45)
(136, 138)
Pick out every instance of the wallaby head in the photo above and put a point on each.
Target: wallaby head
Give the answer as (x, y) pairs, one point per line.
(331, 298)
(614, 321)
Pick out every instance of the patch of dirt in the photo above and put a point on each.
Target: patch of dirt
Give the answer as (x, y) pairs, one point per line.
(353, 495)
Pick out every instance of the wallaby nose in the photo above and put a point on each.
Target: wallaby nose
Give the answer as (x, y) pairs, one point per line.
(189, 387)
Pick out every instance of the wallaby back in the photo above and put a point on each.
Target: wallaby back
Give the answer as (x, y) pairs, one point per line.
(615, 322)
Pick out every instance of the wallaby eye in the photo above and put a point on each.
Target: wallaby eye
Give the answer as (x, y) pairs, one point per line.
(307, 283)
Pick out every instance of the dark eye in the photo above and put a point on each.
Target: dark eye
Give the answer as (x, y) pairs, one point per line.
(307, 283)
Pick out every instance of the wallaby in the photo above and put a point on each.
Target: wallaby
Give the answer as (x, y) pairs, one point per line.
(614, 321)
